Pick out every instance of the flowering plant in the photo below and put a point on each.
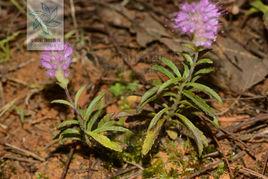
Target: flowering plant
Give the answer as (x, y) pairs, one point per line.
(178, 96)
(89, 124)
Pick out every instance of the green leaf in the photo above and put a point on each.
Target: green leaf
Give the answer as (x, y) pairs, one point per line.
(61, 101)
(151, 136)
(164, 71)
(147, 101)
(199, 102)
(171, 94)
(186, 103)
(186, 71)
(204, 61)
(204, 71)
(199, 137)
(258, 4)
(205, 89)
(194, 79)
(93, 105)
(188, 58)
(105, 141)
(78, 94)
(118, 89)
(171, 65)
(70, 132)
(156, 118)
(167, 84)
(132, 86)
(111, 128)
(68, 123)
(61, 79)
(172, 134)
(93, 119)
(106, 120)
(147, 96)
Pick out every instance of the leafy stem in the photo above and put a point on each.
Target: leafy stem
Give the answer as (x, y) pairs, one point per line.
(182, 86)
(181, 89)
(76, 110)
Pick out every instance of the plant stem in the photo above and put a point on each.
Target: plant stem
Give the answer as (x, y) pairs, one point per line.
(79, 116)
(188, 79)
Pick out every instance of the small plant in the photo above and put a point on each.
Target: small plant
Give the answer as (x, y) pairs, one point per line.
(178, 96)
(89, 124)
(258, 6)
(5, 47)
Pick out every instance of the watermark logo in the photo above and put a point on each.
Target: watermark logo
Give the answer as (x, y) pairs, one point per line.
(44, 23)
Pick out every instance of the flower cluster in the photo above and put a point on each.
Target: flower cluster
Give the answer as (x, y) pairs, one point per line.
(200, 19)
(53, 59)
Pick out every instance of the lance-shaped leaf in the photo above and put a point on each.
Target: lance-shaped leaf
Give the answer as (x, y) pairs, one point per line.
(61, 101)
(186, 71)
(106, 120)
(194, 79)
(78, 94)
(156, 118)
(204, 71)
(205, 89)
(171, 94)
(68, 123)
(147, 96)
(204, 61)
(151, 136)
(70, 133)
(200, 139)
(93, 105)
(171, 65)
(164, 71)
(111, 128)
(105, 141)
(188, 58)
(93, 119)
(199, 102)
(169, 82)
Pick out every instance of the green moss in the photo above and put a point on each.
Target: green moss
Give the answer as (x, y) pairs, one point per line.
(40, 175)
(219, 170)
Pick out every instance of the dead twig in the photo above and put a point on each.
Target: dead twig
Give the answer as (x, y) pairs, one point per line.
(224, 156)
(247, 171)
(4, 71)
(70, 156)
(230, 135)
(74, 18)
(23, 152)
(210, 166)
(20, 159)
(265, 164)
(239, 143)
(245, 125)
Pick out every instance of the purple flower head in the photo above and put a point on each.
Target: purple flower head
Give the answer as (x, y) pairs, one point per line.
(200, 19)
(53, 59)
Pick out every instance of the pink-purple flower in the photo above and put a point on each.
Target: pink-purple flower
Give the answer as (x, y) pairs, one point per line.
(53, 59)
(200, 19)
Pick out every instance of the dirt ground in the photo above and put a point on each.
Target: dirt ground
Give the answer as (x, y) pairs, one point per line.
(119, 44)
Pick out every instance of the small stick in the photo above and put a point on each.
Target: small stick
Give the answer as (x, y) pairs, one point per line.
(10, 157)
(208, 167)
(74, 18)
(70, 156)
(252, 172)
(265, 164)
(224, 156)
(24, 152)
